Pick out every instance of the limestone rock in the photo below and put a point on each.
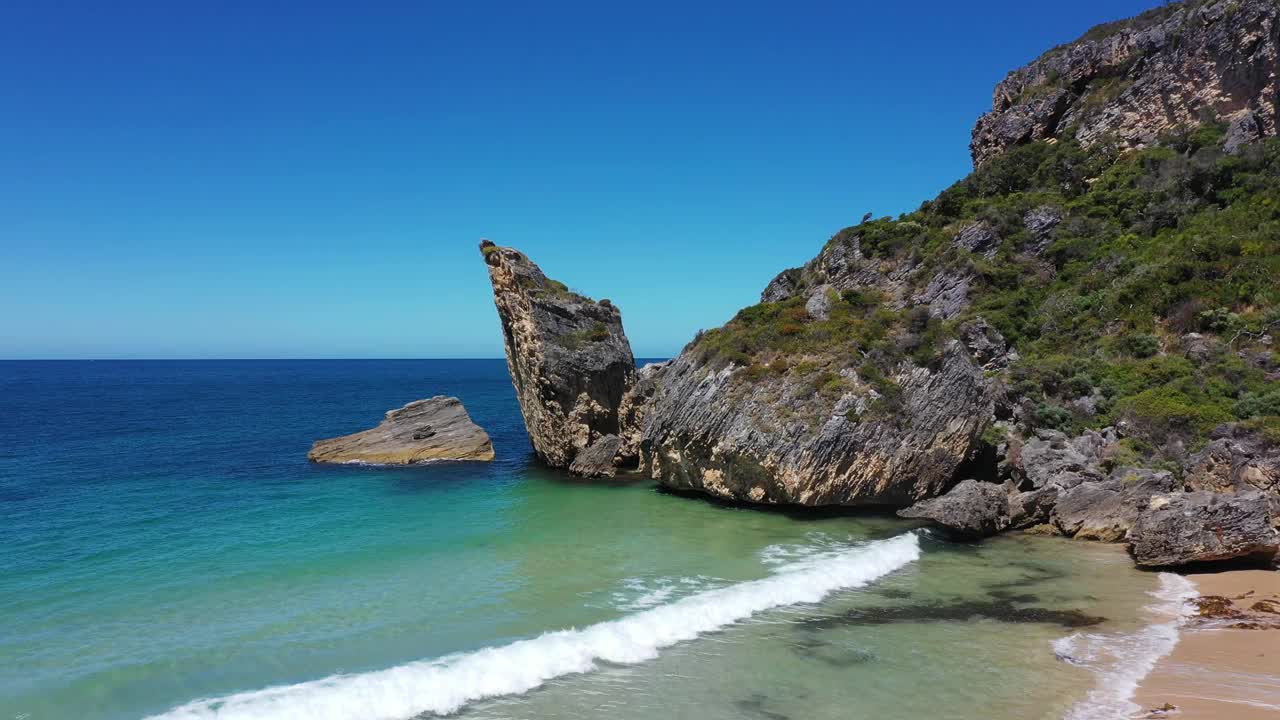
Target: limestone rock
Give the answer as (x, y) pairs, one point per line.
(947, 294)
(1243, 130)
(978, 237)
(423, 430)
(971, 509)
(743, 441)
(1035, 507)
(568, 356)
(1201, 527)
(634, 410)
(597, 461)
(1041, 222)
(1106, 511)
(772, 437)
(1051, 453)
(1135, 79)
(1236, 460)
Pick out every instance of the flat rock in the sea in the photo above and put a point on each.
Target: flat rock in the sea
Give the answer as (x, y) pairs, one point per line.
(423, 430)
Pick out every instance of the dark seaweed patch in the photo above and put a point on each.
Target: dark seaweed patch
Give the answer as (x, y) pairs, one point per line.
(815, 648)
(1032, 575)
(959, 611)
(1013, 597)
(754, 707)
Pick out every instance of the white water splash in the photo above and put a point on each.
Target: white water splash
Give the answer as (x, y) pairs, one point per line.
(1122, 660)
(640, 593)
(446, 685)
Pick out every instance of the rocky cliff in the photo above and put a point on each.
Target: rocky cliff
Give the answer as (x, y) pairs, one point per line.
(1076, 337)
(1132, 81)
(568, 356)
(844, 387)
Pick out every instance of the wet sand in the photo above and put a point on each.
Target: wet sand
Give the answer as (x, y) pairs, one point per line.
(1217, 672)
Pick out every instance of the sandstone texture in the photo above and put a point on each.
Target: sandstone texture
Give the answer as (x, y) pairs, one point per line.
(422, 431)
(1136, 79)
(569, 358)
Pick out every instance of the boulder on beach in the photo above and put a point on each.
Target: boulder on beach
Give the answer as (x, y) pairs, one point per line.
(435, 429)
(971, 509)
(1198, 527)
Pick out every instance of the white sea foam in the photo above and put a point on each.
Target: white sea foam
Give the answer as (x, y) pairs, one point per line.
(445, 685)
(640, 593)
(1122, 660)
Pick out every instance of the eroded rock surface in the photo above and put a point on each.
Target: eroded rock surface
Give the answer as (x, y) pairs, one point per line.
(1107, 510)
(1197, 527)
(832, 424)
(422, 431)
(598, 459)
(1136, 79)
(1235, 460)
(569, 358)
(971, 509)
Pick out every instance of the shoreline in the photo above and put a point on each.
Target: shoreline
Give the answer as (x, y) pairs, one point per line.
(1217, 671)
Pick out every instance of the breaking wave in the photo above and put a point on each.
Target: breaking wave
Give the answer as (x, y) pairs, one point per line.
(1122, 660)
(448, 684)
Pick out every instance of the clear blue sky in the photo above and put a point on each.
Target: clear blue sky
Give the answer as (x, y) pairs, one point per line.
(260, 179)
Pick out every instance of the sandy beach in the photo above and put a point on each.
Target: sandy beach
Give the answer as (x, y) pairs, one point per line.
(1220, 672)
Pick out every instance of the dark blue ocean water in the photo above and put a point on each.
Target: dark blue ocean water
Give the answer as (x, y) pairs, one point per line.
(163, 540)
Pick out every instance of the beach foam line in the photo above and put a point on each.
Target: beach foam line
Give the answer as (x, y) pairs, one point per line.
(446, 685)
(1122, 660)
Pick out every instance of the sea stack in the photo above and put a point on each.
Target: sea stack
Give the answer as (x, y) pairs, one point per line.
(569, 358)
(422, 431)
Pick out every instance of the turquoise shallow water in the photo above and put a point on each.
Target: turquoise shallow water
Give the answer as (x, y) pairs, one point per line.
(165, 541)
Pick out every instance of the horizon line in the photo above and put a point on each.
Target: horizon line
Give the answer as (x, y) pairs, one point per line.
(274, 359)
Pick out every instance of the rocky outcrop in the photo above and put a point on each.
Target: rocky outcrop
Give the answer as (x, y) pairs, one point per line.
(1050, 455)
(634, 410)
(1198, 527)
(422, 431)
(1106, 511)
(745, 441)
(568, 356)
(599, 460)
(971, 509)
(1134, 80)
(833, 424)
(1236, 460)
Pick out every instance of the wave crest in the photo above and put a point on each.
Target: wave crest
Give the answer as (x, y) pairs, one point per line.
(446, 685)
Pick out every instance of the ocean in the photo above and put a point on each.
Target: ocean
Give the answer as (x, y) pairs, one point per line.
(166, 551)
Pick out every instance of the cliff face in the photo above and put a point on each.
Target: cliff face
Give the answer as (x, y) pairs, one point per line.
(1134, 80)
(568, 356)
(842, 388)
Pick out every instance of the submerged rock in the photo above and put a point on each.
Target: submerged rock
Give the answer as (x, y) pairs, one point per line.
(569, 358)
(1199, 527)
(971, 509)
(423, 430)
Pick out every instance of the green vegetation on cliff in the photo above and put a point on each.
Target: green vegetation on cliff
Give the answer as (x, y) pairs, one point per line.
(1141, 296)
